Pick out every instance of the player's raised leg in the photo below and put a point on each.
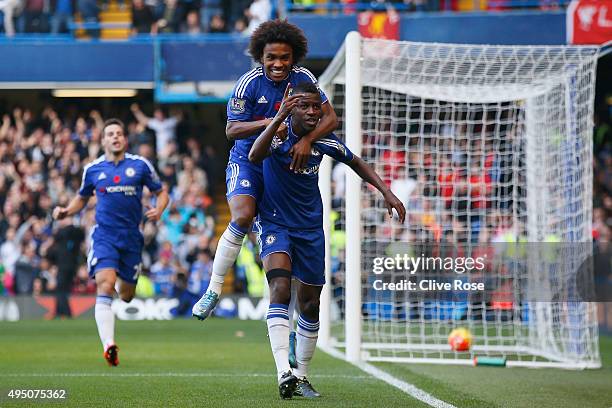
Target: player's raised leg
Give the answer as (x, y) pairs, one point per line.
(307, 334)
(242, 208)
(278, 267)
(105, 319)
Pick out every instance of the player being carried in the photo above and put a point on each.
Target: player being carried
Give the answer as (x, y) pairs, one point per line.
(291, 218)
(114, 257)
(278, 46)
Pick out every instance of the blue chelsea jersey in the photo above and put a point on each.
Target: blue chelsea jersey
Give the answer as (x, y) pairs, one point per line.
(256, 97)
(118, 189)
(292, 199)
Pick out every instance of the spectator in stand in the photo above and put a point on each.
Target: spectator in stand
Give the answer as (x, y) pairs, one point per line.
(192, 24)
(163, 271)
(209, 9)
(34, 18)
(83, 285)
(217, 24)
(191, 175)
(46, 281)
(258, 12)
(9, 251)
(173, 223)
(164, 127)
(142, 18)
(26, 269)
(10, 8)
(168, 176)
(171, 18)
(199, 274)
(240, 27)
(62, 16)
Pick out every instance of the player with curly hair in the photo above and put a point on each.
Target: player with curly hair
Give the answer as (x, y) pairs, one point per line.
(278, 46)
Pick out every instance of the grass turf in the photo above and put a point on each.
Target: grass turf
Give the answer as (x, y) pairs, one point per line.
(219, 363)
(228, 363)
(466, 386)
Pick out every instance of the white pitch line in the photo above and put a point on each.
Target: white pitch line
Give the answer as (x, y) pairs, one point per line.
(408, 388)
(247, 375)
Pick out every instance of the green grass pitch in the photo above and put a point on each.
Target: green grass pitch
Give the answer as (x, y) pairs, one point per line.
(228, 363)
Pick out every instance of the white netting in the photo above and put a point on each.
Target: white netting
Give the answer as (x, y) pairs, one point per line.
(489, 148)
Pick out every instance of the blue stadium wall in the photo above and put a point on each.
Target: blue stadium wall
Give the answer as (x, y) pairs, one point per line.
(223, 58)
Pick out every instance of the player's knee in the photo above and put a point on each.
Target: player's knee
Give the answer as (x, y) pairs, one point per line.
(279, 281)
(280, 292)
(126, 297)
(310, 309)
(244, 220)
(106, 287)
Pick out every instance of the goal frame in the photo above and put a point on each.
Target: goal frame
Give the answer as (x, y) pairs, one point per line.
(349, 56)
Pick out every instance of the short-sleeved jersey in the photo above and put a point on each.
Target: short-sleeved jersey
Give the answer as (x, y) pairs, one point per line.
(292, 199)
(256, 97)
(118, 189)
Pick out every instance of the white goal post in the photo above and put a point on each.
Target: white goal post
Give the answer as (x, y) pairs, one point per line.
(490, 150)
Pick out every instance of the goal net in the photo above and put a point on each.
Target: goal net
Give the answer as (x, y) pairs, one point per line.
(490, 150)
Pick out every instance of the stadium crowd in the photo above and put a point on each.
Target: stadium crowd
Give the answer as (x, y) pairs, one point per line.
(148, 16)
(210, 16)
(41, 162)
(42, 156)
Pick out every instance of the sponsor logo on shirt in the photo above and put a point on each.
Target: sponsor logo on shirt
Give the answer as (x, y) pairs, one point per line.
(308, 171)
(262, 99)
(102, 176)
(127, 190)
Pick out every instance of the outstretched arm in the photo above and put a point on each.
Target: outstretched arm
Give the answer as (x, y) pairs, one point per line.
(140, 117)
(76, 205)
(300, 152)
(368, 174)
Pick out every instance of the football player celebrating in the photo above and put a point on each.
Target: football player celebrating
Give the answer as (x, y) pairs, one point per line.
(291, 218)
(278, 46)
(114, 257)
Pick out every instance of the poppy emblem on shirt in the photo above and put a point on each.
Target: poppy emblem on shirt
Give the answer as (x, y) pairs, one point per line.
(116, 179)
(277, 106)
(130, 172)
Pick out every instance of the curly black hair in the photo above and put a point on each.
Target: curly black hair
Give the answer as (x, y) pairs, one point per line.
(278, 31)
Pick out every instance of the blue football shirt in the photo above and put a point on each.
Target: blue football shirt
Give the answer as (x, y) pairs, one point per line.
(118, 189)
(292, 199)
(256, 97)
